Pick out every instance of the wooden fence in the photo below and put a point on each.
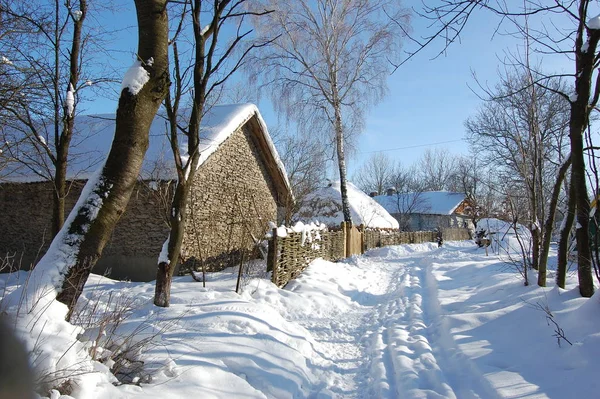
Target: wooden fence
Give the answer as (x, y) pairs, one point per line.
(289, 256)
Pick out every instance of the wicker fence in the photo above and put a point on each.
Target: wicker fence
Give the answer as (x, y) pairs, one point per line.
(289, 256)
(381, 238)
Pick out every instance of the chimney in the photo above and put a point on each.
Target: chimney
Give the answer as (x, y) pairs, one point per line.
(391, 191)
(373, 194)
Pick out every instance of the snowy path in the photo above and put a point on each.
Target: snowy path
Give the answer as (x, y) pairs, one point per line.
(391, 342)
(406, 322)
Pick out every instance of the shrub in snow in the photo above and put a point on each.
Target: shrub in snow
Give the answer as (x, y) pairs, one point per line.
(98, 347)
(112, 341)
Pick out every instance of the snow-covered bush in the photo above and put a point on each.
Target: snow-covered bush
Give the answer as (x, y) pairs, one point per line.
(112, 341)
(98, 346)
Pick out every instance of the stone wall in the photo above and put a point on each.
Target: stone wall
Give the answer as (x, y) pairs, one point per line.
(232, 202)
(233, 199)
(25, 222)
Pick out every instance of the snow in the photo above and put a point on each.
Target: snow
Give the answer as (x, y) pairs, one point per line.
(164, 252)
(409, 321)
(70, 100)
(594, 23)
(5, 61)
(325, 206)
(77, 14)
(504, 241)
(95, 133)
(47, 276)
(427, 202)
(135, 78)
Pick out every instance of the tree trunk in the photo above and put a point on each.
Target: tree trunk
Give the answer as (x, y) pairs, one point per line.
(579, 120)
(584, 265)
(535, 245)
(339, 138)
(563, 244)
(60, 190)
(185, 174)
(170, 253)
(94, 221)
(63, 141)
(547, 230)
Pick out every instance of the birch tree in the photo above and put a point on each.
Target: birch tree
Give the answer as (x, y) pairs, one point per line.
(328, 63)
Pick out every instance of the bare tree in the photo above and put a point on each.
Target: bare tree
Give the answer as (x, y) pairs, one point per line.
(519, 132)
(376, 174)
(329, 62)
(575, 37)
(405, 179)
(306, 165)
(79, 244)
(51, 68)
(476, 181)
(213, 58)
(436, 169)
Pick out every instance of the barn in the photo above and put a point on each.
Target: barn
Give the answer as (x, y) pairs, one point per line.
(240, 186)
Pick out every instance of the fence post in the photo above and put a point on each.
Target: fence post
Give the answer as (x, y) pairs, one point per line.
(347, 239)
(272, 257)
(361, 231)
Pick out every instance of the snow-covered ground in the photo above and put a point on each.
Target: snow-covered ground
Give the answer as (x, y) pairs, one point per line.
(410, 321)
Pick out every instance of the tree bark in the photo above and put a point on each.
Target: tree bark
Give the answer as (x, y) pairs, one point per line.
(166, 266)
(549, 223)
(185, 175)
(63, 141)
(563, 244)
(535, 246)
(579, 120)
(86, 234)
(339, 138)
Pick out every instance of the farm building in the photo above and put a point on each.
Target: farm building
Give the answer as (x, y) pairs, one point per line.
(427, 210)
(239, 188)
(325, 206)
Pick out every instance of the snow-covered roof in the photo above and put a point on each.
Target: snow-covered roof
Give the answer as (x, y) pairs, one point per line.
(427, 202)
(325, 206)
(94, 134)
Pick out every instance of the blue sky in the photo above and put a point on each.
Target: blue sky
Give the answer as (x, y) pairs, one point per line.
(428, 100)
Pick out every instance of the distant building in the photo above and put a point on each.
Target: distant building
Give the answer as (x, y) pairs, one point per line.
(240, 186)
(427, 210)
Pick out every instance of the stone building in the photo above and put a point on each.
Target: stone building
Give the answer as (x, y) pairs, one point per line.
(427, 210)
(240, 186)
